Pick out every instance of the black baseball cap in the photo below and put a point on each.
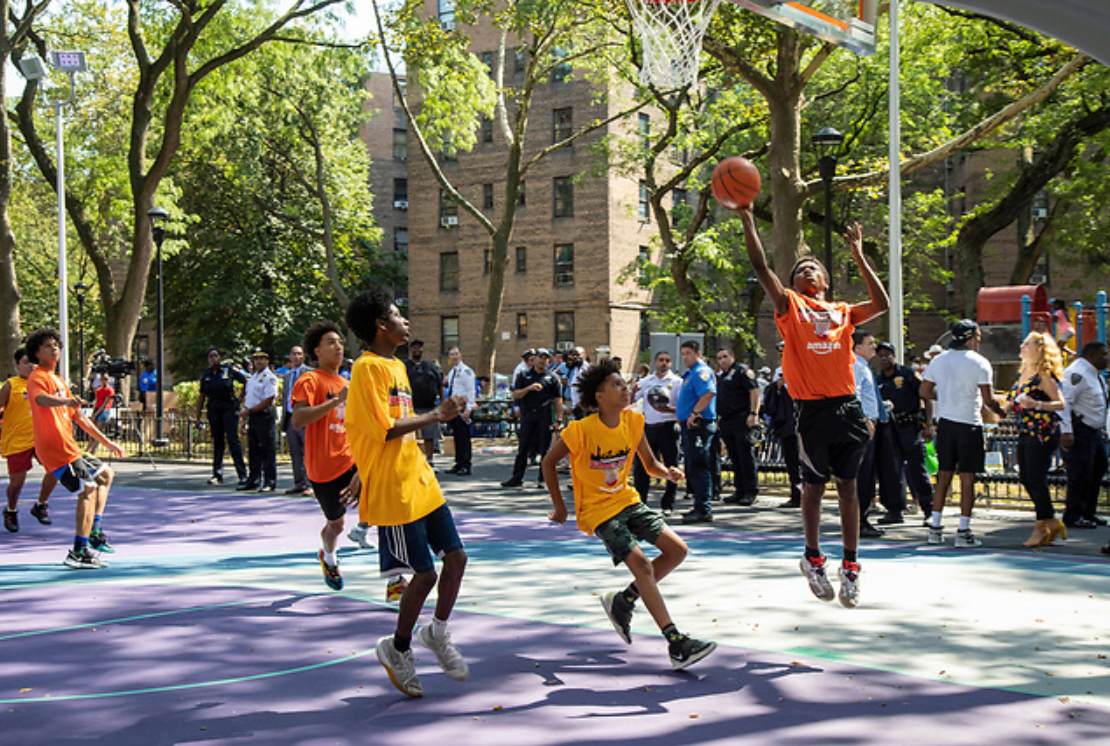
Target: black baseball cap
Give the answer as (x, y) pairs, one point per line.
(962, 332)
(886, 346)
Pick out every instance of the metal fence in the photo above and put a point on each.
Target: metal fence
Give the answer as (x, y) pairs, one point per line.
(183, 438)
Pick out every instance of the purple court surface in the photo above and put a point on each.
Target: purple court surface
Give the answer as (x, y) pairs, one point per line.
(213, 626)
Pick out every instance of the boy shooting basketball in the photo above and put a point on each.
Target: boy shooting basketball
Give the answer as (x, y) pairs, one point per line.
(817, 365)
(601, 448)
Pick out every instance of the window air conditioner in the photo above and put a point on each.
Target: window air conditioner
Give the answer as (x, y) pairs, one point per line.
(1040, 213)
(400, 204)
(448, 221)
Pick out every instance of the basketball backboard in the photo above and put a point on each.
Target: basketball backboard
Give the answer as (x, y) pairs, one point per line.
(846, 23)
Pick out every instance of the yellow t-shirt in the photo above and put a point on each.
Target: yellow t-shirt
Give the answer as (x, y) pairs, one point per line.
(18, 434)
(600, 458)
(399, 486)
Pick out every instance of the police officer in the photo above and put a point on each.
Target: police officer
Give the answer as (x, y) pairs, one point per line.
(217, 387)
(258, 413)
(738, 412)
(538, 393)
(697, 415)
(900, 387)
(1082, 441)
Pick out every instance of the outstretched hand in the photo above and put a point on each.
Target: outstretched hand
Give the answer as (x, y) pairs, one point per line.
(854, 238)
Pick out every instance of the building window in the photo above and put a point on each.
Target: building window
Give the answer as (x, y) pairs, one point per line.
(644, 208)
(564, 329)
(447, 14)
(448, 332)
(521, 260)
(520, 60)
(561, 124)
(402, 84)
(643, 260)
(401, 240)
(644, 128)
(564, 264)
(679, 197)
(400, 145)
(522, 325)
(520, 200)
(487, 60)
(564, 197)
(447, 207)
(487, 130)
(486, 259)
(449, 271)
(487, 196)
(400, 189)
(562, 68)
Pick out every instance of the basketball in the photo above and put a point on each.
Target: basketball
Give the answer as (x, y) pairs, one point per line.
(736, 182)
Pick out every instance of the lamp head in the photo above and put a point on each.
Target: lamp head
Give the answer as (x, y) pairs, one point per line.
(827, 139)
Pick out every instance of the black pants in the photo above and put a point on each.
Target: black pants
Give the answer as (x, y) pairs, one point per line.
(1034, 459)
(460, 429)
(906, 462)
(1086, 464)
(261, 448)
(865, 478)
(734, 432)
(533, 437)
(663, 439)
(225, 426)
(793, 466)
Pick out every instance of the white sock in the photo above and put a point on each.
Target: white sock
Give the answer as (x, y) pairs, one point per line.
(936, 519)
(438, 628)
(330, 558)
(965, 522)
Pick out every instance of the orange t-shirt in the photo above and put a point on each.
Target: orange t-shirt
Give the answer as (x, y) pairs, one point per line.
(817, 358)
(55, 445)
(327, 454)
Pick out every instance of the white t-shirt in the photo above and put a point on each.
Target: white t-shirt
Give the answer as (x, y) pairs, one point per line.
(958, 374)
(653, 416)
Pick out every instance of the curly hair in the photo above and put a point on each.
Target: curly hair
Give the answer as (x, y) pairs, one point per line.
(364, 312)
(1048, 360)
(314, 334)
(36, 341)
(590, 381)
(19, 354)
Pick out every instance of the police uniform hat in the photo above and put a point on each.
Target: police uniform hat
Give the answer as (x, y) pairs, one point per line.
(780, 345)
(543, 351)
(527, 353)
(886, 346)
(962, 332)
(259, 352)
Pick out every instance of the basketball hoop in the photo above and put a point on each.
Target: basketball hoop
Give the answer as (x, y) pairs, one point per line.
(671, 33)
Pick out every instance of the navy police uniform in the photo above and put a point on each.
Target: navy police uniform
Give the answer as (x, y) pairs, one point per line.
(734, 389)
(534, 432)
(218, 386)
(902, 388)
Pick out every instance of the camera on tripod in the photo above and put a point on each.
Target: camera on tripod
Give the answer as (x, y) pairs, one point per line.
(116, 367)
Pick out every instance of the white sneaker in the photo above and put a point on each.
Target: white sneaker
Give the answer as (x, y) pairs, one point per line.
(849, 584)
(399, 666)
(359, 535)
(814, 570)
(965, 539)
(936, 535)
(449, 657)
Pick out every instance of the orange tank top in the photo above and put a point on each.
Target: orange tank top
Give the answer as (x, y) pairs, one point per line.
(817, 357)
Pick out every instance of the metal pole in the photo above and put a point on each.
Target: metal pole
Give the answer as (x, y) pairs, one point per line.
(828, 232)
(63, 289)
(159, 235)
(897, 312)
(81, 326)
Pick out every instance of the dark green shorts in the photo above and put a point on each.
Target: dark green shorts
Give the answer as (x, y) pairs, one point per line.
(635, 523)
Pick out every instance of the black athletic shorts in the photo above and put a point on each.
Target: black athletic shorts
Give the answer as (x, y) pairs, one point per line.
(960, 447)
(327, 494)
(75, 477)
(832, 437)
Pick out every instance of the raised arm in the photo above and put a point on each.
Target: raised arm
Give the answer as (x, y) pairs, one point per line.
(879, 301)
(758, 259)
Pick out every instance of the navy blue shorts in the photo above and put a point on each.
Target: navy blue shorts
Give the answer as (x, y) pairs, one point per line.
(407, 549)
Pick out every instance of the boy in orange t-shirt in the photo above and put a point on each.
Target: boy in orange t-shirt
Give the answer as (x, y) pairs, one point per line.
(53, 411)
(601, 448)
(817, 365)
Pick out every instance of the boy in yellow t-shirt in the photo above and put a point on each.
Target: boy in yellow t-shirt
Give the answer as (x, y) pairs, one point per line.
(400, 494)
(17, 444)
(601, 448)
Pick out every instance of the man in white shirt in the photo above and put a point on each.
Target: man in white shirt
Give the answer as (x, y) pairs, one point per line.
(577, 363)
(961, 381)
(258, 411)
(658, 392)
(460, 380)
(1082, 441)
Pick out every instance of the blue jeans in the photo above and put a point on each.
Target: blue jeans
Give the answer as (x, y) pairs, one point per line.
(697, 443)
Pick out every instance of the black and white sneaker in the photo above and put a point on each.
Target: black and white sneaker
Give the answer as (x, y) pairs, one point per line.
(41, 513)
(99, 542)
(686, 651)
(84, 560)
(619, 611)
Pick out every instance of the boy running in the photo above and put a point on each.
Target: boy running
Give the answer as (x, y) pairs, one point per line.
(17, 444)
(319, 401)
(401, 495)
(601, 449)
(54, 410)
(817, 365)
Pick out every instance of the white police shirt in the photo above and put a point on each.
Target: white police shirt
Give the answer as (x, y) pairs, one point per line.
(1085, 395)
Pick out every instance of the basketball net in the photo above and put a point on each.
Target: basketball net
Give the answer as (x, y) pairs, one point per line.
(671, 33)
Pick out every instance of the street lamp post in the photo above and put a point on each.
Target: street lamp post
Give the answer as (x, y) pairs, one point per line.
(33, 69)
(158, 232)
(80, 289)
(828, 141)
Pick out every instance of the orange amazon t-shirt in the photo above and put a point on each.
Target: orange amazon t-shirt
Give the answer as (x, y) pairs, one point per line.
(817, 357)
(327, 454)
